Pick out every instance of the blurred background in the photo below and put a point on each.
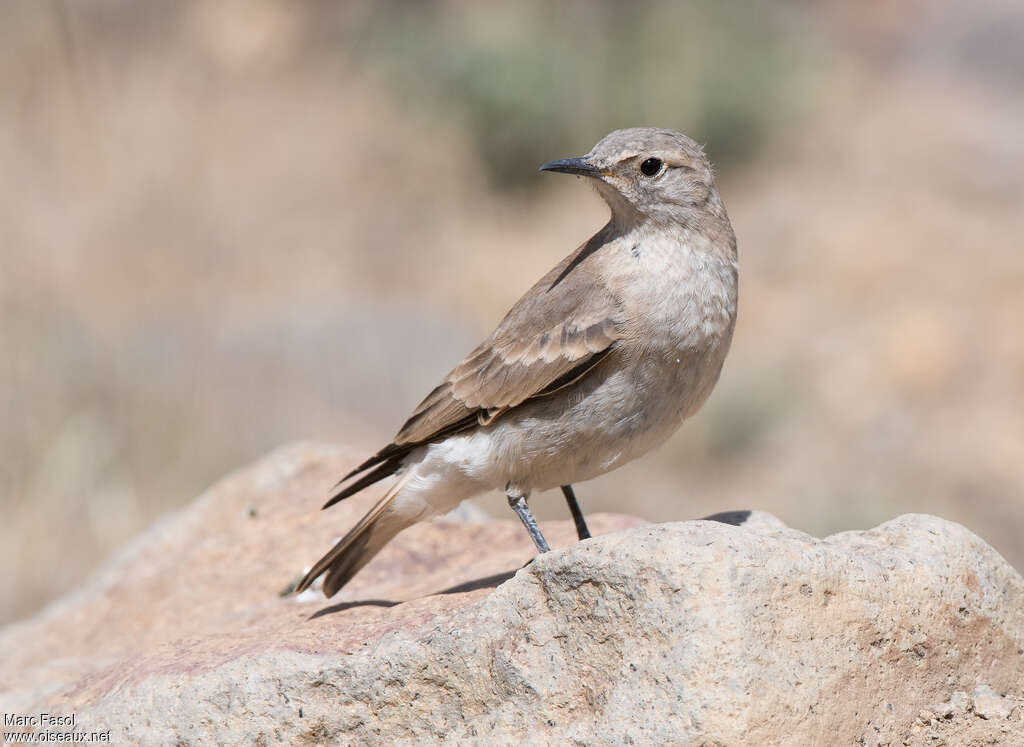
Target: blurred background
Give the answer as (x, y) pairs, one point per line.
(225, 224)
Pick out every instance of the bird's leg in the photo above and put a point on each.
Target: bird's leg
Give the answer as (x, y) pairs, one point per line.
(517, 501)
(577, 515)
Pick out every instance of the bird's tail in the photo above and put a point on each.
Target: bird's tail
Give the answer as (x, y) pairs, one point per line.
(365, 540)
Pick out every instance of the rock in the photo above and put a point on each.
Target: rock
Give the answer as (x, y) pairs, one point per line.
(958, 703)
(958, 722)
(989, 704)
(696, 632)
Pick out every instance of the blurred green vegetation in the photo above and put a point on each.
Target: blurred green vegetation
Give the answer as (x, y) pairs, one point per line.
(542, 81)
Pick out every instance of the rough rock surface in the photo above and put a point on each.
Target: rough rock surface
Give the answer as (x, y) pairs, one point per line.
(692, 633)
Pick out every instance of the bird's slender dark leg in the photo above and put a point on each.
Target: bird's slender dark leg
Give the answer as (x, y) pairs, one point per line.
(577, 514)
(518, 503)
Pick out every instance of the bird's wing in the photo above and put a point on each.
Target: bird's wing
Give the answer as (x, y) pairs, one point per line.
(554, 334)
(557, 332)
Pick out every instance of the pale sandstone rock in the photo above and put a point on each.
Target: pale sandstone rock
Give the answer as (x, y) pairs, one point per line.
(958, 703)
(690, 633)
(989, 704)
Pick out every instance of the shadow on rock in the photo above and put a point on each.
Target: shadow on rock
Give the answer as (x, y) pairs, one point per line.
(342, 606)
(487, 582)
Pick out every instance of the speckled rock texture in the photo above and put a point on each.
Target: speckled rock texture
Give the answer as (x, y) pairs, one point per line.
(696, 632)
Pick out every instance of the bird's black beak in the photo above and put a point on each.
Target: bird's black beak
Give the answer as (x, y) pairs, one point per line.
(579, 166)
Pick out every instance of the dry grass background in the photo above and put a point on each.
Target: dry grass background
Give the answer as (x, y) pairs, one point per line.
(228, 225)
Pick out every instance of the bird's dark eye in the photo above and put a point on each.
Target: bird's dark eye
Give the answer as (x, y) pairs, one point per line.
(651, 166)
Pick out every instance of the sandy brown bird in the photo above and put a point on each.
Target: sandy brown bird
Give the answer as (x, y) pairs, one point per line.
(595, 365)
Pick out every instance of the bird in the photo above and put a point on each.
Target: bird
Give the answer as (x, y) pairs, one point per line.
(599, 362)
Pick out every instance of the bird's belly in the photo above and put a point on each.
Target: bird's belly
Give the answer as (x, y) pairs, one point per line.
(609, 419)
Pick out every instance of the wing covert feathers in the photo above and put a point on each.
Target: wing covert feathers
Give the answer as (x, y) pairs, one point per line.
(560, 323)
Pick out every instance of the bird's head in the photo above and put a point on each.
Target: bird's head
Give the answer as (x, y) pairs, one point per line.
(645, 172)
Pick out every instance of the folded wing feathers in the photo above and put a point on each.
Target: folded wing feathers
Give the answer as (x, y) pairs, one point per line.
(511, 367)
(385, 469)
(506, 374)
(435, 415)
